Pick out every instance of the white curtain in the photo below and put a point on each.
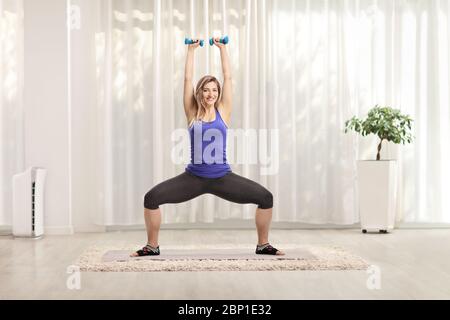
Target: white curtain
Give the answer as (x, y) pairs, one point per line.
(300, 69)
(11, 106)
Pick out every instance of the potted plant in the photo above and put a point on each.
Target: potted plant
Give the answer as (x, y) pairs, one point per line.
(377, 179)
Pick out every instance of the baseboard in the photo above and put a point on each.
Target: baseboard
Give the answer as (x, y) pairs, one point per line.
(90, 228)
(235, 225)
(246, 224)
(223, 224)
(5, 230)
(422, 225)
(58, 230)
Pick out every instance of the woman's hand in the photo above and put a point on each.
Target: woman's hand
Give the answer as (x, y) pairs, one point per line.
(195, 45)
(218, 44)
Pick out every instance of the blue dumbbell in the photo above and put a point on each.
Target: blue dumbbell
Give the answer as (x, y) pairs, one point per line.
(223, 40)
(190, 41)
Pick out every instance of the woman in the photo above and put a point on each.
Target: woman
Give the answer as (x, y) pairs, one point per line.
(208, 114)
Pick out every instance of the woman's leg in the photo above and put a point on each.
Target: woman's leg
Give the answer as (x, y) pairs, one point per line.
(263, 217)
(238, 189)
(181, 188)
(152, 224)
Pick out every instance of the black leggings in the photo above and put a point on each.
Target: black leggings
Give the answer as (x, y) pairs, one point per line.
(187, 186)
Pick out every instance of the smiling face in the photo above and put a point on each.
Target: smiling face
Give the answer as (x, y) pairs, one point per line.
(210, 94)
(207, 96)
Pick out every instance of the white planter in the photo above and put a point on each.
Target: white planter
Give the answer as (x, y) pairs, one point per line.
(377, 186)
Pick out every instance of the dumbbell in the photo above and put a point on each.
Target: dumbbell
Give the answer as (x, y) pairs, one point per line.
(223, 40)
(190, 41)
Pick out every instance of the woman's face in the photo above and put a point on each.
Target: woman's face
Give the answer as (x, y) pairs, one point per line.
(210, 94)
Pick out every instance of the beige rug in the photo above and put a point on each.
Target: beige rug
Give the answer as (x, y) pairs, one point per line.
(219, 258)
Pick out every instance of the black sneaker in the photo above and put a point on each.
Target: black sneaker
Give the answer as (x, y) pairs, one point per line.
(266, 249)
(148, 251)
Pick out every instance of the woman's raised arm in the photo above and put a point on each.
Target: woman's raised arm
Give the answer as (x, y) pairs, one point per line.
(188, 96)
(227, 102)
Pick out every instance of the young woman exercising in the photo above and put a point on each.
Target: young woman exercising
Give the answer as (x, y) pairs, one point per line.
(208, 113)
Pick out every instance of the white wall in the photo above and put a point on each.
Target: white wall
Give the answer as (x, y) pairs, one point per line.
(46, 105)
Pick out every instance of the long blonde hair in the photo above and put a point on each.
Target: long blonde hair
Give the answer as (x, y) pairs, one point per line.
(198, 97)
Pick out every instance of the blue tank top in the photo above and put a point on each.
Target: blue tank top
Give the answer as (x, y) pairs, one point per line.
(208, 148)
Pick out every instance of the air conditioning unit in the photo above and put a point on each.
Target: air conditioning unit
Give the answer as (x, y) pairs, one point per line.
(28, 203)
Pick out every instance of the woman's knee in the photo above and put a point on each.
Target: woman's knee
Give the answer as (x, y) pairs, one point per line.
(266, 201)
(151, 200)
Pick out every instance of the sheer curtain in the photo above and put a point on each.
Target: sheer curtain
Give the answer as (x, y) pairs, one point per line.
(300, 69)
(11, 106)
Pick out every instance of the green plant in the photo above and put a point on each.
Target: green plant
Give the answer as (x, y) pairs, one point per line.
(387, 123)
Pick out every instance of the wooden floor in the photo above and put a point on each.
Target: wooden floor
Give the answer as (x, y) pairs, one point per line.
(414, 264)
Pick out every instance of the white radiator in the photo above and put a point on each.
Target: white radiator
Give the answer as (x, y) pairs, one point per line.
(28, 203)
